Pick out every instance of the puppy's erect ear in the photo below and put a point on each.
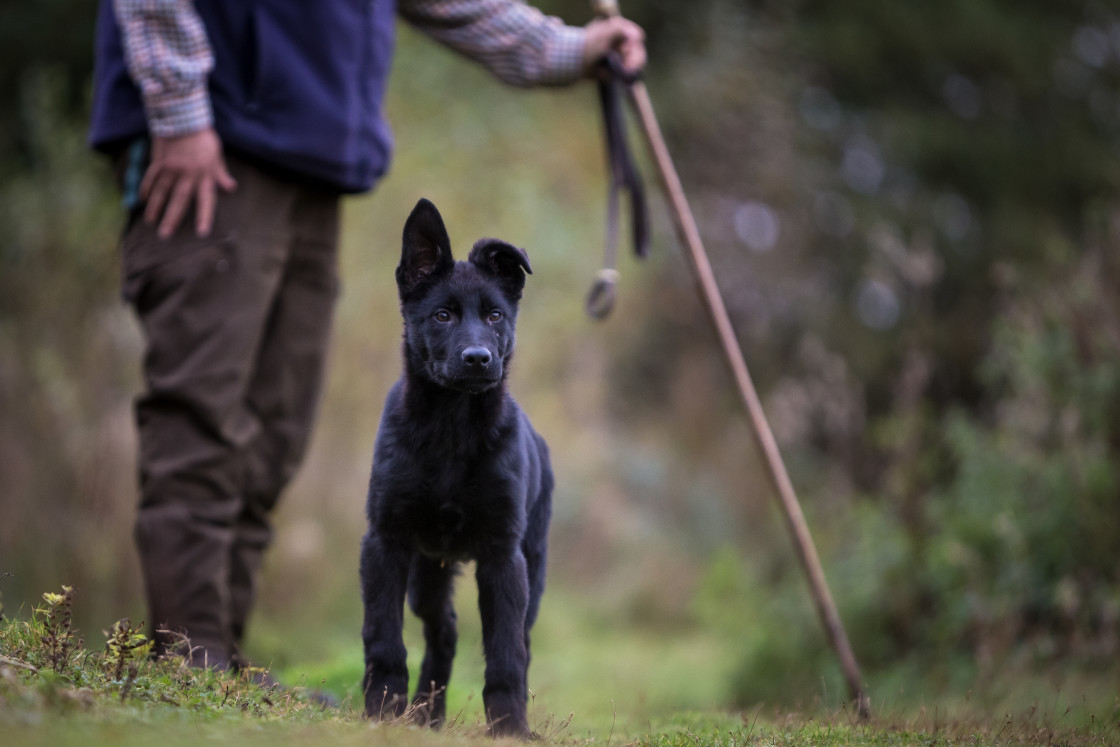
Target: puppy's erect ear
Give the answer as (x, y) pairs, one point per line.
(425, 249)
(504, 261)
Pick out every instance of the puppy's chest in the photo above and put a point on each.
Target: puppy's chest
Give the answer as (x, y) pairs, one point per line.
(453, 510)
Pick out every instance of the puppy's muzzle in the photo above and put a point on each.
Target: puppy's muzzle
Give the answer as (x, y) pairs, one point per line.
(476, 371)
(476, 359)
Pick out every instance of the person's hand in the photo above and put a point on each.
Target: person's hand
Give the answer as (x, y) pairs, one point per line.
(185, 169)
(619, 34)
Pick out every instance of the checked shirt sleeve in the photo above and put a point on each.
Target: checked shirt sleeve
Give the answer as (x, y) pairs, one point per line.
(169, 58)
(518, 43)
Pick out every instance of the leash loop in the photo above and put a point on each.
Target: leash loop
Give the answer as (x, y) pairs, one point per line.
(624, 178)
(600, 300)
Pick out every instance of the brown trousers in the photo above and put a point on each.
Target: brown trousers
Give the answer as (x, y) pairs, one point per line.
(236, 328)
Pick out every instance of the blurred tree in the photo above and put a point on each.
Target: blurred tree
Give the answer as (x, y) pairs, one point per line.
(50, 34)
(888, 190)
(65, 343)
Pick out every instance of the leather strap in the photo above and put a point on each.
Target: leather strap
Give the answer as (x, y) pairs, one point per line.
(624, 177)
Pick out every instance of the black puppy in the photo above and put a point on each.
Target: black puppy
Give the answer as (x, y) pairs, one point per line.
(458, 474)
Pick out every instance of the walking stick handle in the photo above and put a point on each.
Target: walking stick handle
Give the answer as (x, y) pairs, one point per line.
(606, 7)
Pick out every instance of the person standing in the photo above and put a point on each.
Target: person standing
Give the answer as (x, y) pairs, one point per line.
(236, 127)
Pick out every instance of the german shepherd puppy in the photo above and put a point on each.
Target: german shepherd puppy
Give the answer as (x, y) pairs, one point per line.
(458, 474)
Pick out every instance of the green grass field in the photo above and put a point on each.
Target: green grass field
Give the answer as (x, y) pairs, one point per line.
(593, 683)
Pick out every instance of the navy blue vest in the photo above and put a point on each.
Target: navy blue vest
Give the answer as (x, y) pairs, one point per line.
(297, 84)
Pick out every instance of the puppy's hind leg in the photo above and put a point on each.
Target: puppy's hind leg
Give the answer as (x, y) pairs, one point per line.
(431, 585)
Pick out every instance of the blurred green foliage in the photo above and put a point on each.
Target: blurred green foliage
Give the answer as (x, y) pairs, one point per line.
(912, 210)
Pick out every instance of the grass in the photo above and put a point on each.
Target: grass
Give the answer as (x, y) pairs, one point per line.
(56, 689)
(584, 665)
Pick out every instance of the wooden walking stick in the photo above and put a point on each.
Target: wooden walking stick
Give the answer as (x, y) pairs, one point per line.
(689, 235)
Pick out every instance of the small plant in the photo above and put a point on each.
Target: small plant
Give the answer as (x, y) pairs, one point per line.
(123, 646)
(58, 635)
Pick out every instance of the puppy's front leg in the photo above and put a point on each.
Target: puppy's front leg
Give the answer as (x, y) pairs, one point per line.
(384, 571)
(503, 597)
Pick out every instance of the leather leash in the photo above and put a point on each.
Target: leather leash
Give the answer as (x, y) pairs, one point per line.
(624, 177)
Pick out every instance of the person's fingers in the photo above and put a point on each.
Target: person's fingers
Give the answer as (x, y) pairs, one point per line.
(633, 48)
(156, 195)
(605, 34)
(633, 56)
(150, 175)
(186, 171)
(629, 40)
(204, 203)
(177, 204)
(206, 199)
(624, 28)
(226, 182)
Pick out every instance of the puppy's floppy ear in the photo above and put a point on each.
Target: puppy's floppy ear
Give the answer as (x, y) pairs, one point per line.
(506, 262)
(425, 249)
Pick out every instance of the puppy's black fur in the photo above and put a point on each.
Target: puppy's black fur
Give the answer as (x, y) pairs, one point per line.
(458, 474)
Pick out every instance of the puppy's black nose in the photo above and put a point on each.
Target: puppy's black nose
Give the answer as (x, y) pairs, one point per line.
(476, 357)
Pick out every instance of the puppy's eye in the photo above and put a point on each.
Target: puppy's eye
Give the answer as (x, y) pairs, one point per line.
(495, 316)
(443, 315)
